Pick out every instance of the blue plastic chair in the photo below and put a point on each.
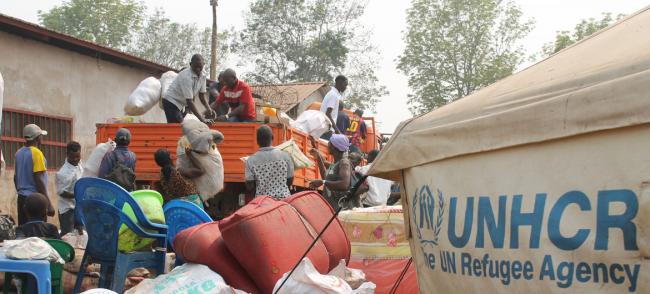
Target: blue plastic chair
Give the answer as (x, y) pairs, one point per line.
(101, 205)
(180, 215)
(107, 191)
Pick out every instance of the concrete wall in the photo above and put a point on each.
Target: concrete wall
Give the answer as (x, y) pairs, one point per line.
(46, 79)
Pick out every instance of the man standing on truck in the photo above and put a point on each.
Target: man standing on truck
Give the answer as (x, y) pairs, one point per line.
(269, 171)
(357, 131)
(239, 97)
(31, 170)
(330, 105)
(180, 94)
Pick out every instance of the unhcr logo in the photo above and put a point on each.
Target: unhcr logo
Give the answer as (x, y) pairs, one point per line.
(428, 213)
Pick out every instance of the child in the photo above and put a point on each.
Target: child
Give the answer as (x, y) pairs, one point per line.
(35, 209)
(66, 178)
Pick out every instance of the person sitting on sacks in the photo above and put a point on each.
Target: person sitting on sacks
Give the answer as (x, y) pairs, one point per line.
(238, 95)
(339, 176)
(176, 183)
(202, 141)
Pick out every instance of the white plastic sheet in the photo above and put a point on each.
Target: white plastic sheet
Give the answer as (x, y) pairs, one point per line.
(31, 249)
(306, 279)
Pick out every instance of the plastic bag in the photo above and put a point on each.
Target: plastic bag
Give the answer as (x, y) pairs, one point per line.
(354, 277)
(299, 159)
(144, 97)
(91, 166)
(312, 122)
(306, 279)
(76, 240)
(32, 249)
(188, 278)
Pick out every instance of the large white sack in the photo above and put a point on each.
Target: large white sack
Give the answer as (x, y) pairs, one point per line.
(144, 97)
(203, 141)
(187, 278)
(166, 80)
(306, 279)
(312, 122)
(91, 167)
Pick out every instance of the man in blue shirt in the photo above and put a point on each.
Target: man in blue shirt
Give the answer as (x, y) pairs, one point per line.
(121, 155)
(31, 170)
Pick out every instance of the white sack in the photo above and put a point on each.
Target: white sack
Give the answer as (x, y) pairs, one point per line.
(300, 160)
(312, 122)
(203, 141)
(31, 249)
(91, 166)
(165, 81)
(144, 97)
(188, 278)
(99, 291)
(306, 279)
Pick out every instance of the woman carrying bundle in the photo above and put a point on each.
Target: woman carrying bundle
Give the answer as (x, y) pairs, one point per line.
(176, 183)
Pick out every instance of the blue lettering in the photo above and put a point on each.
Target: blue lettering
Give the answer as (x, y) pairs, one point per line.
(555, 219)
(534, 220)
(605, 221)
(612, 273)
(460, 242)
(565, 280)
(583, 272)
(528, 270)
(465, 263)
(486, 218)
(547, 268)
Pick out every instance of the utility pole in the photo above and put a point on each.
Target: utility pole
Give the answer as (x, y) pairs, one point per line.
(213, 55)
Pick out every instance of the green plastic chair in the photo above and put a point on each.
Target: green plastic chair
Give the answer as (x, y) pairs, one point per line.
(56, 270)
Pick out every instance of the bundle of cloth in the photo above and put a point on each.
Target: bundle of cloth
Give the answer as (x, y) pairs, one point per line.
(203, 142)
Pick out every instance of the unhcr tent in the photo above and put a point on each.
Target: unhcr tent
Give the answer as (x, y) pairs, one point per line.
(539, 183)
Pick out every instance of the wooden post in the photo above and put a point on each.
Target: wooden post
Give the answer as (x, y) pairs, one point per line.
(213, 55)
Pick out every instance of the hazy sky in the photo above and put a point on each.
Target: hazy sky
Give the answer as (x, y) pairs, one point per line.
(388, 23)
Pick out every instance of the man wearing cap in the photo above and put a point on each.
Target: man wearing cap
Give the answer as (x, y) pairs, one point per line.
(31, 170)
(121, 155)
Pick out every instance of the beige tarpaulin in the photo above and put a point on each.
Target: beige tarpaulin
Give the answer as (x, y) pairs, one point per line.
(598, 84)
(539, 183)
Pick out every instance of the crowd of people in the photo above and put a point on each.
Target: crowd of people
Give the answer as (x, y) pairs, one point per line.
(268, 171)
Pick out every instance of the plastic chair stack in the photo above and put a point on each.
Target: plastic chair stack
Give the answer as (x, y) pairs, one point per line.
(101, 203)
(180, 215)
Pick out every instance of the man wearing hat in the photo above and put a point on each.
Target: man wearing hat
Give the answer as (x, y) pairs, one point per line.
(31, 170)
(119, 161)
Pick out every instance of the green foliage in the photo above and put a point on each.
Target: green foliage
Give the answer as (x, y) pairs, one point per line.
(153, 42)
(106, 22)
(311, 40)
(583, 29)
(455, 47)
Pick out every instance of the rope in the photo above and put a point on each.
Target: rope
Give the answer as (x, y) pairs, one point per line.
(401, 276)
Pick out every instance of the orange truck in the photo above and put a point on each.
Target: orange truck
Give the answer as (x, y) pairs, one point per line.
(239, 141)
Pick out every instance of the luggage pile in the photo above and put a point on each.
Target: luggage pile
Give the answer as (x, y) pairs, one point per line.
(253, 248)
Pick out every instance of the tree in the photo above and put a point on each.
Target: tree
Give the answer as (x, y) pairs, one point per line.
(455, 47)
(152, 42)
(311, 40)
(582, 30)
(105, 22)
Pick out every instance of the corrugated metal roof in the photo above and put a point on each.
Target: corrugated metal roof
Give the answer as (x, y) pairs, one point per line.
(32, 31)
(287, 96)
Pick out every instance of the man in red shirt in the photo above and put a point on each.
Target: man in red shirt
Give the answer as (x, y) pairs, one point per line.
(238, 96)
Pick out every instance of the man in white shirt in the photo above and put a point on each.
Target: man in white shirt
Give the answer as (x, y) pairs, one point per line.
(189, 83)
(379, 189)
(66, 178)
(330, 105)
